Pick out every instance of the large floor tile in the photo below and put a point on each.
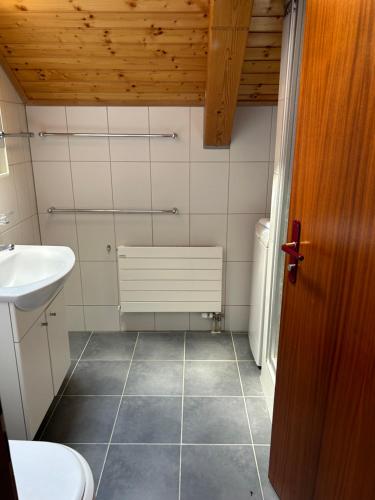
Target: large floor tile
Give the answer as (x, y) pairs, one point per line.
(260, 421)
(155, 378)
(98, 377)
(77, 341)
(263, 456)
(242, 346)
(203, 345)
(132, 472)
(110, 346)
(250, 377)
(160, 345)
(219, 473)
(212, 378)
(67, 377)
(94, 454)
(80, 419)
(148, 420)
(215, 420)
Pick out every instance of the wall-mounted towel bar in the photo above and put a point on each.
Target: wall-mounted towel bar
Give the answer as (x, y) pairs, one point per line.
(4, 135)
(172, 135)
(54, 210)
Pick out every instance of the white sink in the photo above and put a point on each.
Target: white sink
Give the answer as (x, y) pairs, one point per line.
(31, 275)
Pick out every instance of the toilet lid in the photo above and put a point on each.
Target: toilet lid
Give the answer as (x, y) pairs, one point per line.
(45, 471)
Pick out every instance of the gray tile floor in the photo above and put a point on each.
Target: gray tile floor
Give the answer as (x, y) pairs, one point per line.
(165, 416)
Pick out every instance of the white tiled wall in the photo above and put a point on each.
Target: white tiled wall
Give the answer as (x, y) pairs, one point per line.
(220, 194)
(17, 193)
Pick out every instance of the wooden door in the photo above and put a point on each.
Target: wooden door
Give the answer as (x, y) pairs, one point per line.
(323, 436)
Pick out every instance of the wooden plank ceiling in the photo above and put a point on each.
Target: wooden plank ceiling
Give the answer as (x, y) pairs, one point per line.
(129, 51)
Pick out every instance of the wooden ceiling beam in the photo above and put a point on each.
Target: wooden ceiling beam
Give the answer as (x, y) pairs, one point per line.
(228, 32)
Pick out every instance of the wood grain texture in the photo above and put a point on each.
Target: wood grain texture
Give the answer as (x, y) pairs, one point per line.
(102, 39)
(228, 29)
(323, 432)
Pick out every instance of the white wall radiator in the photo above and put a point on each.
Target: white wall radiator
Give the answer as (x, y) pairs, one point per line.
(170, 279)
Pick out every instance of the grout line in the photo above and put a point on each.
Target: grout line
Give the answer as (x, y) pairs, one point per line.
(64, 389)
(248, 420)
(116, 416)
(202, 396)
(169, 360)
(151, 194)
(182, 419)
(166, 444)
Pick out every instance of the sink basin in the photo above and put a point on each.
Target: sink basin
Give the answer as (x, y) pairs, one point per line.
(30, 275)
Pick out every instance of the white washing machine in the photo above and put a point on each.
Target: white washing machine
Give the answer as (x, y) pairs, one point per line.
(258, 288)
(50, 471)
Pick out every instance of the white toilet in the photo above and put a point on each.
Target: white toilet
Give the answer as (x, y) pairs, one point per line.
(46, 471)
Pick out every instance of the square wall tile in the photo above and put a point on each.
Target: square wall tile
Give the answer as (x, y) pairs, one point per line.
(36, 229)
(273, 133)
(129, 120)
(269, 187)
(133, 230)
(170, 186)
(171, 321)
(24, 127)
(102, 318)
(197, 151)
(92, 184)
(170, 230)
(131, 322)
(24, 194)
(199, 324)
(8, 200)
(73, 287)
(237, 318)
(95, 232)
(251, 136)
(59, 229)
(21, 234)
(167, 120)
(48, 119)
(238, 280)
(89, 149)
(131, 183)
(208, 230)
(99, 283)
(248, 187)
(241, 233)
(88, 119)
(75, 318)
(53, 185)
(11, 123)
(209, 188)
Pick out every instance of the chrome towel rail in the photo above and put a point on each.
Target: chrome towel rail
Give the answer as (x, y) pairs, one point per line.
(172, 135)
(54, 210)
(4, 135)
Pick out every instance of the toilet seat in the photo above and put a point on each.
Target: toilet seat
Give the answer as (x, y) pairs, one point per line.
(45, 471)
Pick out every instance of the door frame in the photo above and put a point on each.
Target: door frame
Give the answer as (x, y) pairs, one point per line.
(284, 149)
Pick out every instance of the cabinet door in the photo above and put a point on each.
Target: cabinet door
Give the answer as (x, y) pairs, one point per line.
(35, 375)
(58, 340)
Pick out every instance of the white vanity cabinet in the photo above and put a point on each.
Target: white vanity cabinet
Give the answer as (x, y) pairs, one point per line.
(34, 359)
